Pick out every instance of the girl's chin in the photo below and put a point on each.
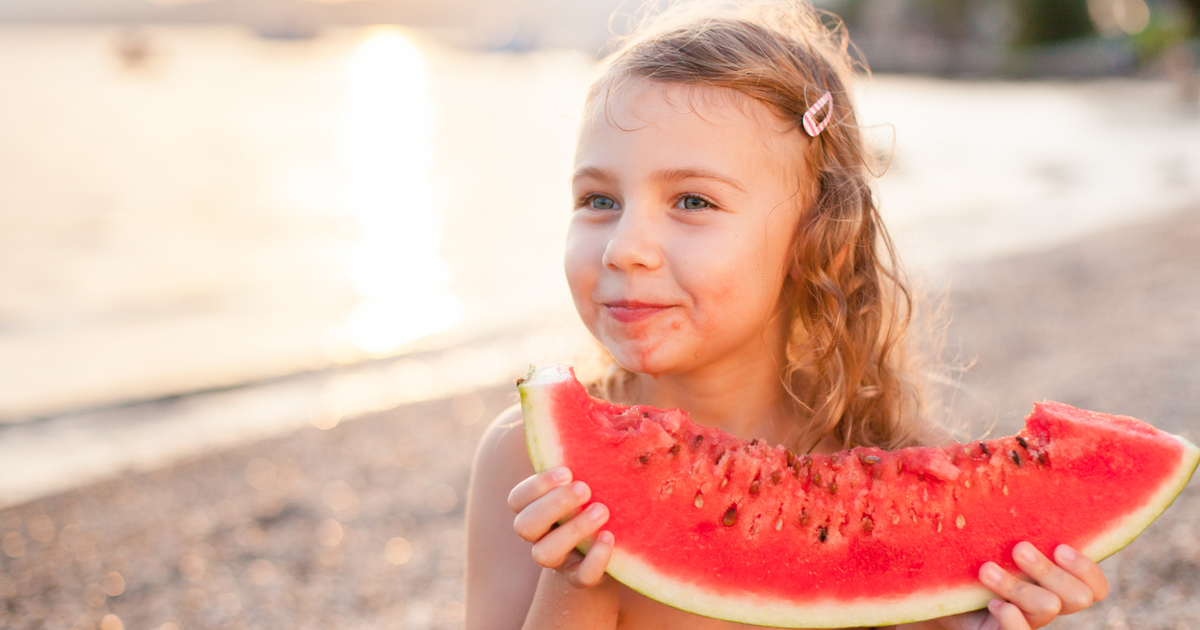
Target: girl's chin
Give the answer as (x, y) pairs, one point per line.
(642, 360)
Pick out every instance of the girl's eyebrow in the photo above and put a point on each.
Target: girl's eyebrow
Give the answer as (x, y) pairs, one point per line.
(677, 174)
(592, 173)
(669, 175)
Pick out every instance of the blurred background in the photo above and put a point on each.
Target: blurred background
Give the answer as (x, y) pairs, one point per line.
(228, 228)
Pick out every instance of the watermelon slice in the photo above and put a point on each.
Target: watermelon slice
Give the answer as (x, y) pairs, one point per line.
(748, 532)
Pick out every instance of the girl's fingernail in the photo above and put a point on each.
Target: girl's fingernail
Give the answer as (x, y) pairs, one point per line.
(580, 489)
(605, 537)
(1065, 553)
(991, 573)
(1025, 552)
(994, 605)
(560, 474)
(595, 511)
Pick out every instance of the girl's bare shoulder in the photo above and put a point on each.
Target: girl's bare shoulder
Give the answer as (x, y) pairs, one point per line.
(502, 452)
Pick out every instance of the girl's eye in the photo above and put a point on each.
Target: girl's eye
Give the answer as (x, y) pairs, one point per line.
(692, 202)
(599, 202)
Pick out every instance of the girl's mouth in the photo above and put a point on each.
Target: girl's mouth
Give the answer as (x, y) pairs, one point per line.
(629, 311)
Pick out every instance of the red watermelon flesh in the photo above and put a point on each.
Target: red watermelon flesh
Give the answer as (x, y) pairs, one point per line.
(749, 532)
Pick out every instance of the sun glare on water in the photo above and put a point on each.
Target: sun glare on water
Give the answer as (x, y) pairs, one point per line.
(385, 142)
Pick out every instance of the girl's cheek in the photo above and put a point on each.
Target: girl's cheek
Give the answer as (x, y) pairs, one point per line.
(581, 264)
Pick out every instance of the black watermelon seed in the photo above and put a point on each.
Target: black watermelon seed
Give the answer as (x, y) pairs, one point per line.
(791, 460)
(983, 447)
(822, 533)
(775, 477)
(833, 488)
(754, 442)
(816, 478)
(696, 442)
(730, 516)
(645, 459)
(674, 451)
(721, 456)
(1022, 442)
(803, 518)
(645, 414)
(868, 524)
(754, 487)
(1016, 458)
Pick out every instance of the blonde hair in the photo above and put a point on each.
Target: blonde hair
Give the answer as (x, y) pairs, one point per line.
(847, 369)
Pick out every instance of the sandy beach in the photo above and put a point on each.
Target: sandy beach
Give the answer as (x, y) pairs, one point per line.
(361, 526)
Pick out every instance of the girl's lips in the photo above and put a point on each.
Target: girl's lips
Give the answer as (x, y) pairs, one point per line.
(626, 312)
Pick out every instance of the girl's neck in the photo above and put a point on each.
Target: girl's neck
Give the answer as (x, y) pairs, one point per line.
(741, 394)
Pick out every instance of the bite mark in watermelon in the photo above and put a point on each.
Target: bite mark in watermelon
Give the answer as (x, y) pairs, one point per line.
(753, 533)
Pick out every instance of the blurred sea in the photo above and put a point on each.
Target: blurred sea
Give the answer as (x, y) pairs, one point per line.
(229, 208)
(190, 209)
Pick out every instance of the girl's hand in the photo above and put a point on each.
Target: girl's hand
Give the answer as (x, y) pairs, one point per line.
(545, 499)
(1068, 585)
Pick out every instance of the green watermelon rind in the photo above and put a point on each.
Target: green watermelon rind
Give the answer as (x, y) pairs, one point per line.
(541, 436)
(1115, 539)
(545, 451)
(643, 578)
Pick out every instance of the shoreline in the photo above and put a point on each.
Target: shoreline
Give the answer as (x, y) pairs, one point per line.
(48, 456)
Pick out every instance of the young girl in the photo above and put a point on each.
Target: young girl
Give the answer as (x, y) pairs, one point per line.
(726, 252)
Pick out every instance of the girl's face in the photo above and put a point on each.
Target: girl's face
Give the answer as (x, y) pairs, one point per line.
(687, 200)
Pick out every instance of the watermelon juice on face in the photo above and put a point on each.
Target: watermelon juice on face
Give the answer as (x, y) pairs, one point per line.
(725, 251)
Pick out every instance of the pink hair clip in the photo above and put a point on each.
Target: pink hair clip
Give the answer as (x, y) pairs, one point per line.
(810, 123)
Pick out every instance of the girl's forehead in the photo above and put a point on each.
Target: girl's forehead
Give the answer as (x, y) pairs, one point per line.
(692, 117)
(630, 104)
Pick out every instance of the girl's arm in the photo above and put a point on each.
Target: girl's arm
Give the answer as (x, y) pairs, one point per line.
(1066, 585)
(501, 577)
(508, 584)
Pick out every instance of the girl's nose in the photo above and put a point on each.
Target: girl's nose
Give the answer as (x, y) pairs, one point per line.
(633, 243)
